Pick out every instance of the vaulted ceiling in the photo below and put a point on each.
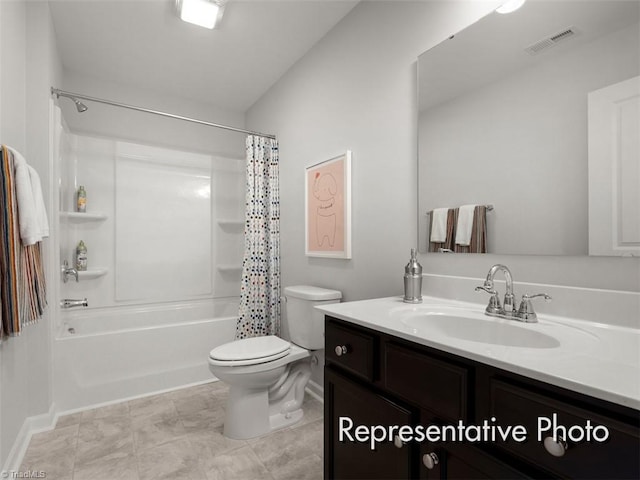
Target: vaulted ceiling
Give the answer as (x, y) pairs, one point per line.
(144, 44)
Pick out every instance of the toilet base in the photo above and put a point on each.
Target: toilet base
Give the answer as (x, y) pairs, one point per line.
(280, 420)
(247, 414)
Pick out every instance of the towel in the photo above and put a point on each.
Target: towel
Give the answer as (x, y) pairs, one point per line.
(439, 224)
(449, 238)
(23, 295)
(465, 224)
(32, 215)
(10, 249)
(42, 220)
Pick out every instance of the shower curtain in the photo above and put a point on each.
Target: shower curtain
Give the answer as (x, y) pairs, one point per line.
(259, 312)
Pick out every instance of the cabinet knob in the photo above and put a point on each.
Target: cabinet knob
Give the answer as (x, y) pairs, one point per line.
(341, 350)
(557, 448)
(397, 441)
(430, 460)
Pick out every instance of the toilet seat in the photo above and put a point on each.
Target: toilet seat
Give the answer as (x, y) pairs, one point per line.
(250, 351)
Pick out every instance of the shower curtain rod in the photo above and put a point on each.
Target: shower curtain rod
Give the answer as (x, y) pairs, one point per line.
(73, 96)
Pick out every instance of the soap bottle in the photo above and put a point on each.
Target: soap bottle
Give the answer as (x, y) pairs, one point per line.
(413, 280)
(81, 257)
(81, 200)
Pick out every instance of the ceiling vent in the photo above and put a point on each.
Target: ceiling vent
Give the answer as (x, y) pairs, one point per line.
(550, 41)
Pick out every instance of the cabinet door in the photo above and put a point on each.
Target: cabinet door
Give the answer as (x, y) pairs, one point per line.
(345, 399)
(617, 457)
(463, 462)
(459, 461)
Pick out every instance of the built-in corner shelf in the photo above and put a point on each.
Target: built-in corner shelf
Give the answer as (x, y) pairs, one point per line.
(229, 268)
(92, 273)
(84, 217)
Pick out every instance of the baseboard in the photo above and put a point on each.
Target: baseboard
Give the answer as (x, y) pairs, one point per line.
(31, 426)
(133, 397)
(315, 390)
(47, 421)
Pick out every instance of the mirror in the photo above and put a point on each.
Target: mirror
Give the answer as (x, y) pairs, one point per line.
(503, 119)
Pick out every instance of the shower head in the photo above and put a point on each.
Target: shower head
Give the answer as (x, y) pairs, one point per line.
(79, 105)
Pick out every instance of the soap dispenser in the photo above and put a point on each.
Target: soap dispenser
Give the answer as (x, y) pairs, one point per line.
(413, 280)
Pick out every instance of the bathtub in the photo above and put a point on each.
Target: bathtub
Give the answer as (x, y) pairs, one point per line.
(109, 354)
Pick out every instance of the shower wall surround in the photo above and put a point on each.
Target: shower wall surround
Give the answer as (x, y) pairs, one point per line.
(161, 225)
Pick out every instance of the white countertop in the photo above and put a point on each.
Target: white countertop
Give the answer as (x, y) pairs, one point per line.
(592, 358)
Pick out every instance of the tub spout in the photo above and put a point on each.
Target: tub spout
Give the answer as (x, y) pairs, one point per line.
(70, 303)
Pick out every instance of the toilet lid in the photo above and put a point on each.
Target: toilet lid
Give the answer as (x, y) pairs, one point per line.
(251, 350)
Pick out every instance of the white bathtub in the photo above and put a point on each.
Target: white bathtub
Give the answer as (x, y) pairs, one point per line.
(109, 354)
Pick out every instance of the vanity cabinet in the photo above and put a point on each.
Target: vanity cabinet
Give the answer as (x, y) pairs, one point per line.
(376, 379)
(363, 406)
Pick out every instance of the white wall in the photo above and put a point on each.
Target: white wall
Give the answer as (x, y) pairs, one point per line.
(28, 64)
(356, 89)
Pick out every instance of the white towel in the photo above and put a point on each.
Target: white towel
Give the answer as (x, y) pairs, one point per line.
(41, 211)
(32, 216)
(439, 225)
(465, 225)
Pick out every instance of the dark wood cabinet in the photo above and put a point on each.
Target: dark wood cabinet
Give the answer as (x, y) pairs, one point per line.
(376, 379)
(353, 459)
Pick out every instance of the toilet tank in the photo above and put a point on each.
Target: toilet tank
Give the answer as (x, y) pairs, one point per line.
(305, 323)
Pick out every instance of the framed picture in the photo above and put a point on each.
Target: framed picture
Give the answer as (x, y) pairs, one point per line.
(328, 208)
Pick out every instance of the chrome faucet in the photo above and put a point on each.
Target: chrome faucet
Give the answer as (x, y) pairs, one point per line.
(494, 303)
(68, 271)
(70, 303)
(524, 313)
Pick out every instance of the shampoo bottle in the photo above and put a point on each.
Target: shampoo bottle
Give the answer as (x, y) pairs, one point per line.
(81, 257)
(81, 200)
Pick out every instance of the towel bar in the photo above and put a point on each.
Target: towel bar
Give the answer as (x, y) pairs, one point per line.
(488, 207)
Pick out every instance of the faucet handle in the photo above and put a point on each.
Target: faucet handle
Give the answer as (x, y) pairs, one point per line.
(67, 270)
(529, 297)
(494, 307)
(525, 312)
(487, 288)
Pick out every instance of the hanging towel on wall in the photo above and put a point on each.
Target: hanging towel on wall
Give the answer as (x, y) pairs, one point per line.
(10, 251)
(466, 215)
(22, 278)
(32, 216)
(476, 242)
(439, 224)
(449, 237)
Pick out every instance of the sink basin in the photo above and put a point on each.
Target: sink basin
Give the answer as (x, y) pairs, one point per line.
(471, 326)
(492, 331)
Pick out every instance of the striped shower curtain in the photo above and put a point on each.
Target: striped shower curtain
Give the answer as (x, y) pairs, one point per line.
(259, 312)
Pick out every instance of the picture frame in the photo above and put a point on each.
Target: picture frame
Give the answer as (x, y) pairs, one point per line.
(328, 208)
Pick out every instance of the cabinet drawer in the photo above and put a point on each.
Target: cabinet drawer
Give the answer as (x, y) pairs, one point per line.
(437, 385)
(617, 457)
(357, 354)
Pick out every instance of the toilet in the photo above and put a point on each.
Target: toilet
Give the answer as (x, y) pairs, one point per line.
(267, 375)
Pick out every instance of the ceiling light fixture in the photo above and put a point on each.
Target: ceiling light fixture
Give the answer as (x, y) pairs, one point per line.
(205, 13)
(510, 6)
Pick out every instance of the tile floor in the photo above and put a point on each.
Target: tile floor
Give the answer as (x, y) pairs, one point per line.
(176, 435)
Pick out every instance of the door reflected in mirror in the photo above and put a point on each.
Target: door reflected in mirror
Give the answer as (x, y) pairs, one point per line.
(503, 121)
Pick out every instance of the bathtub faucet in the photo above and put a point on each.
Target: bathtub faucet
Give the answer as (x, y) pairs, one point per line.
(69, 303)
